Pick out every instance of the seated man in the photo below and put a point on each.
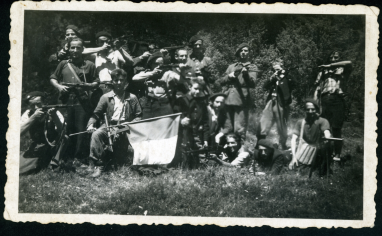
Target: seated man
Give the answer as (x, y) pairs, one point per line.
(234, 154)
(194, 129)
(219, 122)
(120, 106)
(40, 153)
(310, 132)
(269, 158)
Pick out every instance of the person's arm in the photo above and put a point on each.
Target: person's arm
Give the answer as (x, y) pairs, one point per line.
(227, 76)
(98, 111)
(270, 82)
(206, 128)
(335, 64)
(137, 110)
(125, 58)
(143, 75)
(293, 143)
(240, 160)
(26, 121)
(57, 118)
(55, 77)
(93, 80)
(250, 75)
(327, 134)
(95, 50)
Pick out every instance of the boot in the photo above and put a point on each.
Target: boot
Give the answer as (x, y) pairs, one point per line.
(91, 165)
(98, 171)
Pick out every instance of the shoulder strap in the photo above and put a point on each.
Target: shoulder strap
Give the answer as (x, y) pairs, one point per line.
(74, 73)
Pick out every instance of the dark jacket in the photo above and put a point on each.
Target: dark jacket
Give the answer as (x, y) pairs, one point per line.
(196, 110)
(223, 123)
(283, 89)
(133, 110)
(237, 89)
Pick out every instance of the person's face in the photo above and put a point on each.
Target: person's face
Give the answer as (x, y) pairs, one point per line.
(232, 144)
(310, 110)
(195, 90)
(244, 53)
(157, 62)
(334, 57)
(181, 56)
(69, 34)
(197, 47)
(277, 67)
(120, 83)
(218, 103)
(75, 49)
(264, 152)
(102, 40)
(35, 103)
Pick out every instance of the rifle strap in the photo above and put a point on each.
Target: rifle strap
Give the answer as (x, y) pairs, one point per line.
(74, 73)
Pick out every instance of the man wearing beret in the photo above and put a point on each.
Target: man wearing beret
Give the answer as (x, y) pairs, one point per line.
(199, 62)
(33, 120)
(237, 80)
(310, 130)
(219, 122)
(108, 59)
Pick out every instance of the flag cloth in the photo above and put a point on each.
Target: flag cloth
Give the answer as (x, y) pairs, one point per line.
(154, 140)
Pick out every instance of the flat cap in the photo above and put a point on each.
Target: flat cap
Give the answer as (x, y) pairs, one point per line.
(103, 33)
(34, 94)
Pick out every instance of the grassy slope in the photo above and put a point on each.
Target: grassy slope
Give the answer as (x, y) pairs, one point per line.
(214, 191)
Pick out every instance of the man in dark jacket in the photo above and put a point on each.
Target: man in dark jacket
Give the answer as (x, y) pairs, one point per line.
(194, 129)
(120, 106)
(270, 159)
(279, 87)
(237, 80)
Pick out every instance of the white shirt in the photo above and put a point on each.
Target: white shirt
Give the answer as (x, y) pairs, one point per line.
(118, 108)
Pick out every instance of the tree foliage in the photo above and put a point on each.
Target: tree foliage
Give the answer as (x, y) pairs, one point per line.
(297, 40)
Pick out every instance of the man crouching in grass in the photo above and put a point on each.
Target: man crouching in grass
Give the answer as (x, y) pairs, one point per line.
(120, 106)
(234, 154)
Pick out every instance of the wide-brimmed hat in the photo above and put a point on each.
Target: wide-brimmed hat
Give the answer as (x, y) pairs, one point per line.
(243, 45)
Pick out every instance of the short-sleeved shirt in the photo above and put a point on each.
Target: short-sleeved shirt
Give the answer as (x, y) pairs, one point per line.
(312, 132)
(105, 65)
(86, 72)
(239, 159)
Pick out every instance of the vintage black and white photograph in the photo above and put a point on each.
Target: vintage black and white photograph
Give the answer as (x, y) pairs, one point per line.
(194, 114)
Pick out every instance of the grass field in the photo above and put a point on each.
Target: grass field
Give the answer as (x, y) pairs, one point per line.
(212, 191)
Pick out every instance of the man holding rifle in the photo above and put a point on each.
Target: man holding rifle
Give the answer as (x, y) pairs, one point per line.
(117, 106)
(238, 79)
(39, 120)
(82, 74)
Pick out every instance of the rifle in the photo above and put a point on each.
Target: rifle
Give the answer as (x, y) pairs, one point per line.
(45, 108)
(173, 47)
(75, 85)
(207, 151)
(167, 67)
(108, 133)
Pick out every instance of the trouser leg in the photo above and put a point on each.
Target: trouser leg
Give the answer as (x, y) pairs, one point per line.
(231, 114)
(60, 154)
(337, 133)
(98, 141)
(82, 143)
(241, 121)
(281, 114)
(266, 120)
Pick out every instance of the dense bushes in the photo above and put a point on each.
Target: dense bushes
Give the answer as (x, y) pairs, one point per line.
(299, 40)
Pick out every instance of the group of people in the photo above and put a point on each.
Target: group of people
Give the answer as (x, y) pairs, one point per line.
(105, 86)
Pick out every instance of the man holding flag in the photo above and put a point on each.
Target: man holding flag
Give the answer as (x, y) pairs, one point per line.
(119, 106)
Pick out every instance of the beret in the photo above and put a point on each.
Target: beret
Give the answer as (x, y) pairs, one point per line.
(153, 57)
(213, 96)
(75, 28)
(34, 94)
(243, 45)
(265, 143)
(314, 102)
(103, 33)
(193, 39)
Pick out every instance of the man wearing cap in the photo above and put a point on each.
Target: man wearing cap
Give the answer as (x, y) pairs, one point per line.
(219, 122)
(71, 31)
(33, 120)
(199, 62)
(269, 159)
(311, 130)
(237, 80)
(109, 59)
(76, 70)
(279, 87)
